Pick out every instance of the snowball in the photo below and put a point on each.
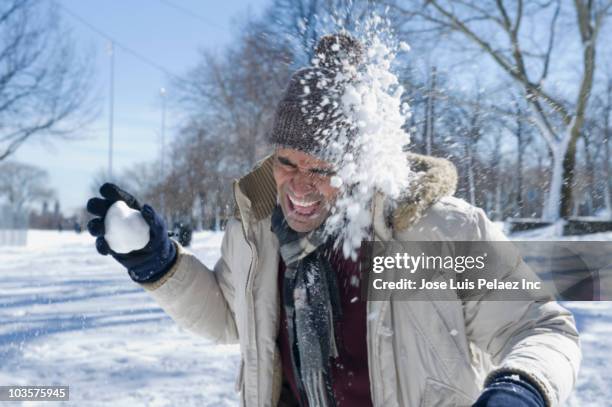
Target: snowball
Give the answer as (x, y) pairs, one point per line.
(126, 229)
(404, 46)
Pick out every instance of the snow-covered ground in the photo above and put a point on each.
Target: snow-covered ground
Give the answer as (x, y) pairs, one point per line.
(594, 321)
(69, 316)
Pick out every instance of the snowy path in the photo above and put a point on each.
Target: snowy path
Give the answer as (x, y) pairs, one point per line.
(71, 317)
(594, 320)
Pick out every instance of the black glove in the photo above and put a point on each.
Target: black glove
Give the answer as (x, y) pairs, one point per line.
(509, 390)
(145, 265)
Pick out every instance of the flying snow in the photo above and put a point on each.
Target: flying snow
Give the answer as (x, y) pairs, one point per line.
(367, 147)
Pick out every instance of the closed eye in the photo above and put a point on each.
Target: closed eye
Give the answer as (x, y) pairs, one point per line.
(285, 161)
(321, 172)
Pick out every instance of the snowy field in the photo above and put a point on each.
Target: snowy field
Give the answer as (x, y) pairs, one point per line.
(69, 316)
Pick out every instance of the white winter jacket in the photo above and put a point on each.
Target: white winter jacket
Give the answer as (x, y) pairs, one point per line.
(420, 353)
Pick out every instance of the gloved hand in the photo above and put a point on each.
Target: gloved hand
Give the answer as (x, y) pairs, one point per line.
(510, 390)
(145, 265)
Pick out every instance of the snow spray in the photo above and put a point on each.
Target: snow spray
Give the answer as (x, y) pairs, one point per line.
(367, 146)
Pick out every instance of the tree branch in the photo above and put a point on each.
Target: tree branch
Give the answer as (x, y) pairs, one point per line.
(551, 43)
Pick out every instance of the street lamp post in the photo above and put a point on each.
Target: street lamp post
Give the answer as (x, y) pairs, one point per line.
(162, 93)
(162, 169)
(111, 108)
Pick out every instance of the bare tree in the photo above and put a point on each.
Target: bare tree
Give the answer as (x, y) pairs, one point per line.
(430, 112)
(472, 136)
(234, 94)
(44, 87)
(22, 185)
(605, 113)
(523, 140)
(303, 22)
(515, 53)
(589, 166)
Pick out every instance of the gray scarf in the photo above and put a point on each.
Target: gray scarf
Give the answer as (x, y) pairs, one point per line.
(312, 304)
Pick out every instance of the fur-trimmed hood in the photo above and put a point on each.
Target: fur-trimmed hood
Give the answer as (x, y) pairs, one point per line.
(435, 178)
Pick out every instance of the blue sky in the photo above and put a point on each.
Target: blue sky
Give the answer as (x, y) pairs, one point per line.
(160, 31)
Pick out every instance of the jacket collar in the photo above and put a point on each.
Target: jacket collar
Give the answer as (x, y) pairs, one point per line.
(436, 178)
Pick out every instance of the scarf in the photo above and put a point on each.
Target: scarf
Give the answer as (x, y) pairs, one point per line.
(312, 305)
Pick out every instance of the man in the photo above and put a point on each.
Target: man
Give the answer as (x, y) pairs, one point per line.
(289, 298)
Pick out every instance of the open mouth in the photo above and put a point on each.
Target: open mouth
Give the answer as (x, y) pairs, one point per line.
(303, 208)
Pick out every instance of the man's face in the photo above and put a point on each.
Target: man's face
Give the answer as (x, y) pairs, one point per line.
(304, 190)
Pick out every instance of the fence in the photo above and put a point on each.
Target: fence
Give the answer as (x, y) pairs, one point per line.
(13, 227)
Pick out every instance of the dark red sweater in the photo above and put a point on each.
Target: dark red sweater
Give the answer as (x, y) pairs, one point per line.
(350, 369)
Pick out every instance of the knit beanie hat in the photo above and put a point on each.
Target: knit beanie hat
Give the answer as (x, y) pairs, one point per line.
(310, 114)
